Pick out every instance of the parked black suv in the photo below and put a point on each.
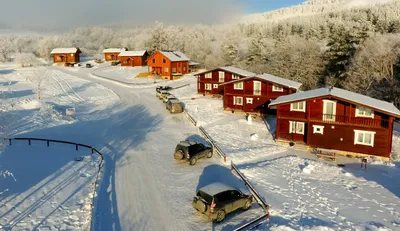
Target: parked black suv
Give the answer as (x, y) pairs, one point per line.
(192, 151)
(217, 199)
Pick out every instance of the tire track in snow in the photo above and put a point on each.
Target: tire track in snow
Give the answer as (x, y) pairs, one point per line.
(57, 78)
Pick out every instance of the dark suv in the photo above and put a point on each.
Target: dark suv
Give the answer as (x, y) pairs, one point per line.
(217, 199)
(192, 151)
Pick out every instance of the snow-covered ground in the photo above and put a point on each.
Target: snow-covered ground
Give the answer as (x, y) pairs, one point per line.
(304, 193)
(142, 186)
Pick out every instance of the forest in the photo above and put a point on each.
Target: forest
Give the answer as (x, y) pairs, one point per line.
(319, 43)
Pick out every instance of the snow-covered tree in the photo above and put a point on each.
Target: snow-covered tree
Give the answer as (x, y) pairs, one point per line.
(26, 59)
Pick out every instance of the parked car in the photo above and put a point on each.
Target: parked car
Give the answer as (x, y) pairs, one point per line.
(217, 199)
(162, 88)
(163, 94)
(174, 106)
(168, 97)
(191, 151)
(88, 65)
(115, 63)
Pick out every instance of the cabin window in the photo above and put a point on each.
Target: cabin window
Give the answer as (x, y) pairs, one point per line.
(184, 69)
(215, 85)
(257, 87)
(209, 75)
(318, 129)
(296, 127)
(154, 60)
(329, 110)
(164, 61)
(277, 88)
(364, 112)
(166, 69)
(238, 86)
(221, 76)
(208, 86)
(72, 55)
(235, 76)
(173, 70)
(364, 137)
(298, 106)
(238, 100)
(249, 100)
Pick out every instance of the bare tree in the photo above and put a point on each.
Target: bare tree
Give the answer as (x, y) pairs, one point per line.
(38, 79)
(26, 59)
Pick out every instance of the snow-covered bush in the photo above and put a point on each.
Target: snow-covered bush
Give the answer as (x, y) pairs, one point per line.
(26, 59)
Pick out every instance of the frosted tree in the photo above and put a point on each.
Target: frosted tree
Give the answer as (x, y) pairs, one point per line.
(158, 40)
(25, 59)
(38, 79)
(230, 53)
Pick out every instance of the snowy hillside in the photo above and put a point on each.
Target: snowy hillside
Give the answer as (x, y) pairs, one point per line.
(311, 7)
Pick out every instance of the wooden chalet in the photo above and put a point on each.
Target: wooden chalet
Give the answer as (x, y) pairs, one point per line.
(338, 120)
(66, 55)
(133, 58)
(168, 64)
(253, 94)
(111, 54)
(208, 82)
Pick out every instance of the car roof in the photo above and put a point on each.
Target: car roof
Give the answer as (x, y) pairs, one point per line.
(216, 188)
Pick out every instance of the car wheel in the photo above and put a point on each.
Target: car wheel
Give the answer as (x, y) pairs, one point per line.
(193, 161)
(220, 216)
(209, 154)
(179, 155)
(247, 205)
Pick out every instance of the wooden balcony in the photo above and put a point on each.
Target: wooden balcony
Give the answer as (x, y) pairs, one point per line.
(335, 119)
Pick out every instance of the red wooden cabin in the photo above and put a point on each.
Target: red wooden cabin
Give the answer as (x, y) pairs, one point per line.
(168, 64)
(66, 55)
(253, 94)
(111, 54)
(133, 58)
(208, 82)
(336, 119)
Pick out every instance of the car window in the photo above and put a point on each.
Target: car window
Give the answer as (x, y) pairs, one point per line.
(205, 196)
(235, 194)
(224, 197)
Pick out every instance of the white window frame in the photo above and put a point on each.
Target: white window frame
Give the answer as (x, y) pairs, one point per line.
(316, 127)
(238, 86)
(257, 91)
(207, 87)
(166, 69)
(361, 110)
(208, 75)
(249, 100)
(234, 76)
(295, 124)
(357, 132)
(235, 98)
(184, 68)
(221, 76)
(199, 85)
(215, 86)
(297, 109)
(276, 88)
(325, 118)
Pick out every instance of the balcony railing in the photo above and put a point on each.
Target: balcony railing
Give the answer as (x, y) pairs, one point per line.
(336, 119)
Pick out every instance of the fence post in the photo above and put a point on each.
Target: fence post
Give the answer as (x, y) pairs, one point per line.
(9, 141)
(76, 147)
(29, 140)
(92, 150)
(48, 143)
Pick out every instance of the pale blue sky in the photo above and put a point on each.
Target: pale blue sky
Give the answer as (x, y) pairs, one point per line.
(258, 6)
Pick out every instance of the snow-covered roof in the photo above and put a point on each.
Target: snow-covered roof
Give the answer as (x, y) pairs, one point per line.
(231, 69)
(175, 56)
(114, 50)
(340, 93)
(280, 80)
(174, 101)
(64, 50)
(215, 188)
(132, 53)
(191, 63)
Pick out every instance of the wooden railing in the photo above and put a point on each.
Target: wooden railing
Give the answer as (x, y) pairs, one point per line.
(335, 119)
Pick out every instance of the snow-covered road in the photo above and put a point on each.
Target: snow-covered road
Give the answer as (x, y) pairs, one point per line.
(143, 187)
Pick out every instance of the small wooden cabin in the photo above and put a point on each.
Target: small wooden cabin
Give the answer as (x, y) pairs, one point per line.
(336, 119)
(111, 54)
(253, 94)
(66, 55)
(133, 58)
(168, 64)
(208, 82)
